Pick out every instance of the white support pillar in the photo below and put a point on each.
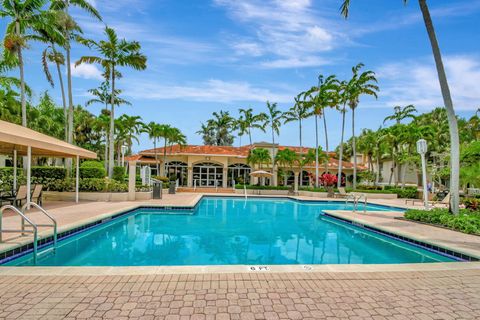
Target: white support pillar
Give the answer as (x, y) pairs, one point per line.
(132, 171)
(225, 178)
(29, 172)
(14, 171)
(295, 186)
(77, 178)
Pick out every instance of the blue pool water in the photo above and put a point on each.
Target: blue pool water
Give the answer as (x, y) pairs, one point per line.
(232, 231)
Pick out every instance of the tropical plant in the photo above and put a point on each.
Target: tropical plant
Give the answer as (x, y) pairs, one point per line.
(152, 129)
(400, 113)
(26, 18)
(273, 119)
(447, 99)
(248, 121)
(286, 158)
(114, 53)
(360, 84)
(321, 97)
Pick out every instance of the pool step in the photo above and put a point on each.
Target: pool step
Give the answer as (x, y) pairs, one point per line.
(206, 190)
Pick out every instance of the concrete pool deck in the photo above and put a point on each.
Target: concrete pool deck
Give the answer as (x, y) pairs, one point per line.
(401, 291)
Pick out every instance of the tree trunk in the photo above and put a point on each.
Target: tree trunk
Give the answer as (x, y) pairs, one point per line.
(404, 173)
(22, 78)
(156, 156)
(326, 141)
(354, 150)
(316, 150)
(273, 157)
(377, 177)
(250, 136)
(64, 101)
(165, 156)
(339, 182)
(106, 151)
(112, 127)
(452, 120)
(300, 181)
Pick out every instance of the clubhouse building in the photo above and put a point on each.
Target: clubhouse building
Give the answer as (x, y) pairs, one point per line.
(223, 166)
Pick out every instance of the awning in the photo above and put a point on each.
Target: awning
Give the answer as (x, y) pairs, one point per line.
(15, 137)
(261, 173)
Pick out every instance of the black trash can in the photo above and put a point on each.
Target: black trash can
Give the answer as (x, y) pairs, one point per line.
(157, 190)
(171, 188)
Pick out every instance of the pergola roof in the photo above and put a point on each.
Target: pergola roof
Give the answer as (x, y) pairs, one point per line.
(15, 137)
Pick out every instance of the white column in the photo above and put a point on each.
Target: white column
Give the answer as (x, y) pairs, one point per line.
(295, 186)
(14, 170)
(225, 178)
(190, 177)
(132, 171)
(29, 172)
(77, 177)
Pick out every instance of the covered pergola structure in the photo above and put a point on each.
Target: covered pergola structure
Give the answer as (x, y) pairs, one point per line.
(17, 141)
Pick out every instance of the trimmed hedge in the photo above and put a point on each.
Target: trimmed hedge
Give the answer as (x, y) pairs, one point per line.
(92, 172)
(49, 172)
(92, 164)
(119, 174)
(466, 222)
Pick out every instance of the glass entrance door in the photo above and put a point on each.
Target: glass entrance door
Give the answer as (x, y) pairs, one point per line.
(208, 175)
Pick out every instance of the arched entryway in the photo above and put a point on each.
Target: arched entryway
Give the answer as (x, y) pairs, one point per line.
(208, 174)
(238, 172)
(179, 170)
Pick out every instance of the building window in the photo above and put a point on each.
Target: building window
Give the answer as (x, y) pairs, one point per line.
(208, 174)
(179, 170)
(240, 173)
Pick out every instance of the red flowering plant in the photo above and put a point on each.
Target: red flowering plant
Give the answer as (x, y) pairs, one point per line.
(329, 181)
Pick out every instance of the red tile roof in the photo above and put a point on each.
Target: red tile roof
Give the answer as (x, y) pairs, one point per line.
(228, 151)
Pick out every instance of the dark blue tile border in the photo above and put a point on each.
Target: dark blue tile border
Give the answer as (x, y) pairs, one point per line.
(432, 248)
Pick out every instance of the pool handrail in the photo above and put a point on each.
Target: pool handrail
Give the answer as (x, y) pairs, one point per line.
(27, 206)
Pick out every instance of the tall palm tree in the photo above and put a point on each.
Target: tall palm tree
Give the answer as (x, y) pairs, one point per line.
(102, 125)
(164, 132)
(26, 18)
(132, 126)
(259, 156)
(70, 32)
(223, 125)
(447, 100)
(176, 137)
(153, 131)
(250, 121)
(273, 119)
(298, 112)
(114, 53)
(360, 84)
(322, 97)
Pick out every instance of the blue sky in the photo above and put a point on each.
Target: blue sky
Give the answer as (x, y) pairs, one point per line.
(207, 55)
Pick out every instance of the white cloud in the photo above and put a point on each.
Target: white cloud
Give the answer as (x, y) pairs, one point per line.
(284, 31)
(213, 90)
(416, 82)
(87, 71)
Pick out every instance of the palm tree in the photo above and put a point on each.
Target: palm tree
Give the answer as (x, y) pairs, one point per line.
(322, 97)
(298, 112)
(223, 124)
(114, 53)
(286, 158)
(249, 121)
(360, 84)
(27, 17)
(70, 32)
(400, 113)
(153, 131)
(176, 137)
(259, 156)
(132, 126)
(164, 132)
(208, 134)
(447, 99)
(273, 119)
(102, 125)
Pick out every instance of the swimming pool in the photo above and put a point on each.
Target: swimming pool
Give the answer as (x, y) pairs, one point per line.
(230, 231)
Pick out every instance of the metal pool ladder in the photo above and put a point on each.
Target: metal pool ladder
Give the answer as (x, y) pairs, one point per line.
(356, 199)
(34, 226)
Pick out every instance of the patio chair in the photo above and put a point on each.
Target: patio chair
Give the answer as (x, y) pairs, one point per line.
(37, 194)
(341, 193)
(19, 197)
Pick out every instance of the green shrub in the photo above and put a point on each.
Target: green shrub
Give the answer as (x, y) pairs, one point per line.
(254, 187)
(119, 174)
(161, 178)
(407, 192)
(6, 178)
(467, 221)
(116, 186)
(313, 189)
(92, 164)
(93, 185)
(92, 172)
(49, 172)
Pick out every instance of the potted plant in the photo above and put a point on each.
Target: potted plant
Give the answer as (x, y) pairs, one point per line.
(328, 181)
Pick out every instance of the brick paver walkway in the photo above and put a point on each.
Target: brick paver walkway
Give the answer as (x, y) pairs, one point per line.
(307, 295)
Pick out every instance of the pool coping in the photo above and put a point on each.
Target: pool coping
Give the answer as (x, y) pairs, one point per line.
(66, 231)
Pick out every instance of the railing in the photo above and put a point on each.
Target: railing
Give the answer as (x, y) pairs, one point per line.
(356, 199)
(245, 191)
(194, 185)
(26, 206)
(34, 230)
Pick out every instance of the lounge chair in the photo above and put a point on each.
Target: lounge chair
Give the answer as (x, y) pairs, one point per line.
(341, 193)
(444, 202)
(19, 197)
(37, 194)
